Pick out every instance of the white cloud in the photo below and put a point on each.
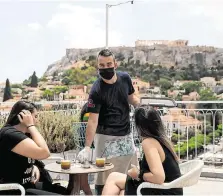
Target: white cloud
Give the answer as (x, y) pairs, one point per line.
(82, 26)
(35, 26)
(73, 8)
(209, 9)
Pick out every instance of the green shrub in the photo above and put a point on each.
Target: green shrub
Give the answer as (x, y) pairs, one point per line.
(174, 138)
(57, 130)
(219, 131)
(199, 140)
(216, 134)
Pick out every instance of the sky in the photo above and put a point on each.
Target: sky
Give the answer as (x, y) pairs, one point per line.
(34, 33)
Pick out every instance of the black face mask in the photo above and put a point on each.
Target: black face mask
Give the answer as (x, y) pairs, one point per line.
(107, 73)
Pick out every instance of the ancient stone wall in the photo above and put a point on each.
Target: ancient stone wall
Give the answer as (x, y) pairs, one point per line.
(140, 43)
(210, 49)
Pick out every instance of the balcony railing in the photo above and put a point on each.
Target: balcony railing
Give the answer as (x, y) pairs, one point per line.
(195, 133)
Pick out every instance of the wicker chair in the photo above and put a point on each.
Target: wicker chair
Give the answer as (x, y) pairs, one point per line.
(190, 171)
(12, 186)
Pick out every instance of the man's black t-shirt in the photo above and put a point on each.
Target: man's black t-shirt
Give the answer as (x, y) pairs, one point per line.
(14, 168)
(111, 102)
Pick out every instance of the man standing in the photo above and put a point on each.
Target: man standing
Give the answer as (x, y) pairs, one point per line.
(109, 118)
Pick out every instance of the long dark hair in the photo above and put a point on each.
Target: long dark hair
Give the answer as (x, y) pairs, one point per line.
(16, 109)
(149, 124)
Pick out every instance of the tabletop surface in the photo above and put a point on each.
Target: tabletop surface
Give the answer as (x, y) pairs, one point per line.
(76, 169)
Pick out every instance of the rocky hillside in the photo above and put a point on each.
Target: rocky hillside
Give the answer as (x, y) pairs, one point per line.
(163, 55)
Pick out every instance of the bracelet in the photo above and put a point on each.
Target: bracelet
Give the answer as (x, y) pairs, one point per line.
(30, 126)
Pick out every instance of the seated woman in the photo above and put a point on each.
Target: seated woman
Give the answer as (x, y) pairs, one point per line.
(159, 163)
(19, 152)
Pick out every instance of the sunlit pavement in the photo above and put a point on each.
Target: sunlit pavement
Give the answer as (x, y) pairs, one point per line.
(206, 186)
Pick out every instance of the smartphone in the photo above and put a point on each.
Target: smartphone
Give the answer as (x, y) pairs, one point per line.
(16, 120)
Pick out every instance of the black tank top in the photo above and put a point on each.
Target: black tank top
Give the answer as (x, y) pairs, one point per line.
(172, 172)
(170, 165)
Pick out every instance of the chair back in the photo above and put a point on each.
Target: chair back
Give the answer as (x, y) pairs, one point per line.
(12, 186)
(190, 171)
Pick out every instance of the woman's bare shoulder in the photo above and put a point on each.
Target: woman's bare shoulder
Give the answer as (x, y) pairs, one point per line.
(150, 142)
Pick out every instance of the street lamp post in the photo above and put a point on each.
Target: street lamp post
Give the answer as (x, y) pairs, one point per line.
(107, 17)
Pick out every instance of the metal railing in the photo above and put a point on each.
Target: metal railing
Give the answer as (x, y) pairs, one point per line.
(197, 136)
(195, 133)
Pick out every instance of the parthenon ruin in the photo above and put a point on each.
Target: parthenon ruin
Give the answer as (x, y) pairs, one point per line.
(141, 43)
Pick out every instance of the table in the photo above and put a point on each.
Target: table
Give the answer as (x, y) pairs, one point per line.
(75, 172)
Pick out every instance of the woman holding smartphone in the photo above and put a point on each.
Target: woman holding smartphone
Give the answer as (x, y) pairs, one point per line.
(19, 151)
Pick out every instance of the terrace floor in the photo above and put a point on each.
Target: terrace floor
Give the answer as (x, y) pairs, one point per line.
(206, 186)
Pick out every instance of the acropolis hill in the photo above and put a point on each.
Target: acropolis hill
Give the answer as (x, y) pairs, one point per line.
(161, 52)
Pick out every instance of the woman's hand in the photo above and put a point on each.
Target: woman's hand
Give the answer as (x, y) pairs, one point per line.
(35, 175)
(26, 118)
(134, 172)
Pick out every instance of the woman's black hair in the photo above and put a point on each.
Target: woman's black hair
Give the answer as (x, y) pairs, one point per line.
(83, 112)
(16, 109)
(149, 124)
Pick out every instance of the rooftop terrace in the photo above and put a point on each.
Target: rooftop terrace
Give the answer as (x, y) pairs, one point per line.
(196, 134)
